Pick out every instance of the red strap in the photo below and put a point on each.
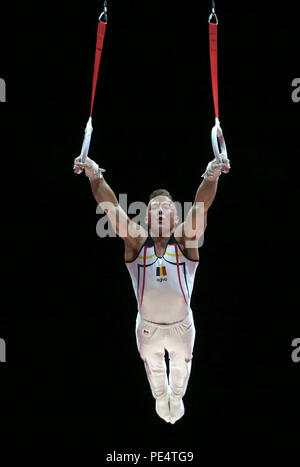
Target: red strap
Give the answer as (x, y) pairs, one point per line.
(99, 46)
(178, 272)
(213, 53)
(144, 274)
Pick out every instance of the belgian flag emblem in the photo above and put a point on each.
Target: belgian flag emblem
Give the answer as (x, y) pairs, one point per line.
(161, 271)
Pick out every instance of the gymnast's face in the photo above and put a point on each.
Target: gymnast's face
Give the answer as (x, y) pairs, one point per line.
(161, 216)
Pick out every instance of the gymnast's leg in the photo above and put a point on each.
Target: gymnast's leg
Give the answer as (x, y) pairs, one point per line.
(150, 342)
(179, 344)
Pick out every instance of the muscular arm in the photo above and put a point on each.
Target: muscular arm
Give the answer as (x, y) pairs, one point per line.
(121, 223)
(124, 227)
(102, 192)
(196, 219)
(206, 193)
(107, 199)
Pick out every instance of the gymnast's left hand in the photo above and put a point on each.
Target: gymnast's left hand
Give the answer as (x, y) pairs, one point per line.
(215, 168)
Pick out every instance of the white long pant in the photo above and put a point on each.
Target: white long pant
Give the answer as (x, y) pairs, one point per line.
(178, 340)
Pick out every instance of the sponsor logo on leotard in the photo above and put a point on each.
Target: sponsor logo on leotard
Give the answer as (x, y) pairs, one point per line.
(161, 273)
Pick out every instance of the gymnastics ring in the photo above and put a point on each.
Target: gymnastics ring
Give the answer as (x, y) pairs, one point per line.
(218, 141)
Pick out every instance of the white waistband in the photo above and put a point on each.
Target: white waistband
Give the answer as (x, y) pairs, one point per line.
(186, 320)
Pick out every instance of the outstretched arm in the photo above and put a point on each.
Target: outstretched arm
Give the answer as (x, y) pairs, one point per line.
(102, 192)
(196, 219)
(206, 193)
(107, 199)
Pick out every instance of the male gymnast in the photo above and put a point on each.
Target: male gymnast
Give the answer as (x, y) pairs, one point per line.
(162, 262)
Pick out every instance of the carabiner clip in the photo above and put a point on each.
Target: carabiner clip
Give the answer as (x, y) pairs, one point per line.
(104, 12)
(213, 13)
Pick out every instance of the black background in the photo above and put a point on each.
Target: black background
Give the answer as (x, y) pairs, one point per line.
(73, 375)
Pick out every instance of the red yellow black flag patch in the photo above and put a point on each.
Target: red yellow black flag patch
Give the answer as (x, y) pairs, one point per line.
(161, 271)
